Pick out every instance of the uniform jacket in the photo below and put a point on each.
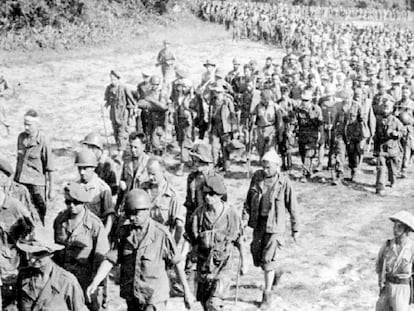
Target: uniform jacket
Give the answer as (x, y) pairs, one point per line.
(121, 102)
(386, 140)
(283, 202)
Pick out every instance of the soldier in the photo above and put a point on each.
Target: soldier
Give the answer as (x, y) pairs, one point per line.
(134, 169)
(394, 265)
(235, 72)
(156, 105)
(288, 110)
(16, 221)
(269, 196)
(165, 207)
(120, 101)
(100, 194)
(106, 168)
(387, 147)
(166, 60)
(379, 98)
(268, 119)
(143, 88)
(85, 240)
(184, 123)
(43, 285)
(142, 242)
(404, 111)
(5, 92)
(34, 167)
(223, 120)
(215, 228)
(310, 127)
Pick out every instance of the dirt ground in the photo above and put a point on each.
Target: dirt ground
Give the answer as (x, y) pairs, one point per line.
(331, 267)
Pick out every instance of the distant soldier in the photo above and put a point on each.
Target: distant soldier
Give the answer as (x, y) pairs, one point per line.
(85, 240)
(156, 104)
(106, 167)
(215, 229)
(5, 91)
(387, 147)
(268, 119)
(134, 170)
(143, 88)
(100, 202)
(310, 126)
(144, 243)
(120, 101)
(394, 265)
(223, 121)
(42, 284)
(166, 60)
(34, 167)
(270, 197)
(235, 72)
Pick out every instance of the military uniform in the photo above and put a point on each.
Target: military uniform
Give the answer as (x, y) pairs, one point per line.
(143, 254)
(34, 161)
(406, 106)
(310, 127)
(122, 104)
(85, 248)
(287, 143)
(166, 60)
(184, 126)
(61, 292)
(387, 148)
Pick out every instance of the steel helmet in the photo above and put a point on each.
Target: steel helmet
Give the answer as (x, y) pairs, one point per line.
(86, 158)
(93, 139)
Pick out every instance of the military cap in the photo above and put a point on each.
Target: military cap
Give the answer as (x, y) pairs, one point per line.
(145, 74)
(236, 61)
(209, 63)
(324, 76)
(155, 80)
(113, 73)
(272, 156)
(266, 95)
(40, 240)
(215, 183)
(202, 152)
(137, 199)
(307, 94)
(93, 139)
(217, 87)
(330, 90)
(219, 73)
(253, 62)
(86, 158)
(5, 167)
(180, 73)
(77, 192)
(405, 218)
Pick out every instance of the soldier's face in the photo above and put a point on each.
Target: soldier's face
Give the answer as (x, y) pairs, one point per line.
(155, 174)
(138, 217)
(38, 260)
(212, 199)
(75, 208)
(398, 229)
(31, 126)
(86, 173)
(137, 148)
(114, 80)
(270, 168)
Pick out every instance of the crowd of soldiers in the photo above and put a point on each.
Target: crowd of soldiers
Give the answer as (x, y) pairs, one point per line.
(338, 91)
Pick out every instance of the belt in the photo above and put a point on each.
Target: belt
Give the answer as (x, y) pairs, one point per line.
(397, 280)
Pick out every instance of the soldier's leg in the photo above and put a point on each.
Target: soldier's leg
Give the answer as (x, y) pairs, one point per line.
(215, 147)
(392, 166)
(321, 155)
(381, 174)
(399, 297)
(38, 195)
(340, 149)
(225, 150)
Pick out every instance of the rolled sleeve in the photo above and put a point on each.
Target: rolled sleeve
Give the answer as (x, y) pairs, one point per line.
(47, 157)
(170, 253)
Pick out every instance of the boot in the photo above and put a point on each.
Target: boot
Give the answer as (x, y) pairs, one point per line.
(180, 171)
(266, 300)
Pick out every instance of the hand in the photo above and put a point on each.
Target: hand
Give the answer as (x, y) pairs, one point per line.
(90, 290)
(189, 299)
(294, 235)
(243, 269)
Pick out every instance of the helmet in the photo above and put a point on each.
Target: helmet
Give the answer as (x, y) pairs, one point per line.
(137, 199)
(155, 80)
(406, 118)
(86, 158)
(93, 139)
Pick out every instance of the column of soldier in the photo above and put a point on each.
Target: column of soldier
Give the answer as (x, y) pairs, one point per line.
(333, 92)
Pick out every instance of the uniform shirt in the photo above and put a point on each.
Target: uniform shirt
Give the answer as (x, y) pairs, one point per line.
(165, 209)
(143, 274)
(120, 100)
(266, 197)
(267, 115)
(15, 221)
(85, 245)
(34, 159)
(106, 171)
(61, 292)
(389, 131)
(310, 121)
(395, 260)
(22, 194)
(101, 198)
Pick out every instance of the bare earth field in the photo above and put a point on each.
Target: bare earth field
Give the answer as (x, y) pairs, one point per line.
(331, 267)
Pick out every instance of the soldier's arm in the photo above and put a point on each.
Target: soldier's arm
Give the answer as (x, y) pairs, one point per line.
(292, 207)
(74, 297)
(103, 271)
(107, 209)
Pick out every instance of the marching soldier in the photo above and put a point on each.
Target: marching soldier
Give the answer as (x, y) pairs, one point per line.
(387, 147)
(143, 88)
(134, 170)
(44, 285)
(166, 60)
(235, 72)
(85, 240)
(34, 167)
(268, 119)
(269, 197)
(144, 243)
(120, 101)
(310, 127)
(5, 91)
(394, 265)
(215, 229)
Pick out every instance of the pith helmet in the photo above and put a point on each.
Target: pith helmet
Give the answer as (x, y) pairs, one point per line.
(405, 218)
